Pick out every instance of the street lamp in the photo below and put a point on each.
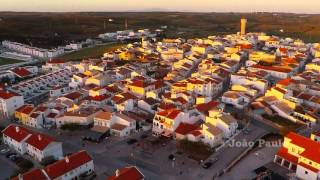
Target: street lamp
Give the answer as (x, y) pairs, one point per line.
(173, 162)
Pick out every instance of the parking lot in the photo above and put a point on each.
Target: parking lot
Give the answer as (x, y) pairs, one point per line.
(7, 167)
(151, 155)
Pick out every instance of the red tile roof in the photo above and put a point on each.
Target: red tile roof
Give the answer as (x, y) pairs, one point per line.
(283, 152)
(185, 128)
(167, 106)
(25, 109)
(196, 133)
(34, 115)
(21, 72)
(73, 95)
(283, 91)
(52, 115)
(41, 109)
(171, 113)
(16, 132)
(56, 61)
(35, 174)
(285, 82)
(205, 107)
(127, 173)
(312, 148)
(7, 94)
(39, 141)
(99, 98)
(181, 100)
(272, 68)
(62, 167)
(140, 83)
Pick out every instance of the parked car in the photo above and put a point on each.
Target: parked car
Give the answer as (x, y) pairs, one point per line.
(209, 163)
(9, 154)
(16, 158)
(4, 151)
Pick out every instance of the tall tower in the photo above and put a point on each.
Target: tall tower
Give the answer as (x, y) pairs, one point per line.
(243, 24)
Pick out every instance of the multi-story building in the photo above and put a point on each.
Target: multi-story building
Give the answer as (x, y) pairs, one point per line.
(25, 141)
(9, 102)
(299, 155)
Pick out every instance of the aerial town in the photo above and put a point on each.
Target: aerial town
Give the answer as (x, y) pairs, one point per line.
(160, 108)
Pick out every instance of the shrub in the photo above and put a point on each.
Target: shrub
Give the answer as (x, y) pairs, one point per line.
(25, 165)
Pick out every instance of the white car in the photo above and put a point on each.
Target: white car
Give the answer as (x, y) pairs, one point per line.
(3, 151)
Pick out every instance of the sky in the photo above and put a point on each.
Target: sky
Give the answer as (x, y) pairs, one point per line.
(295, 6)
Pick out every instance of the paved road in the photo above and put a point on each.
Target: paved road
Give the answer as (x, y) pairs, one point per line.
(227, 154)
(244, 169)
(115, 153)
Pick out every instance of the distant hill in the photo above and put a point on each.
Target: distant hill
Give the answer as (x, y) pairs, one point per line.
(52, 29)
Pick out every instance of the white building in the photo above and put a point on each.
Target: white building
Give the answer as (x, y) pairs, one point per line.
(38, 146)
(71, 167)
(9, 102)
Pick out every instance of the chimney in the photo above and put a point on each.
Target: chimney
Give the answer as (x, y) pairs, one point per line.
(117, 173)
(67, 159)
(17, 129)
(39, 137)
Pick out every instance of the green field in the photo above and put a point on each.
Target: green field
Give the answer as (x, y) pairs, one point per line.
(5, 61)
(92, 52)
(49, 30)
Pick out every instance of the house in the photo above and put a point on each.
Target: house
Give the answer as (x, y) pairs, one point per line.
(37, 174)
(40, 146)
(123, 125)
(227, 123)
(58, 90)
(71, 167)
(75, 96)
(141, 87)
(211, 134)
(275, 71)
(165, 122)
(191, 132)
(54, 64)
(235, 98)
(84, 116)
(22, 72)
(103, 119)
(127, 173)
(124, 101)
(299, 155)
(25, 141)
(9, 102)
(149, 104)
(23, 114)
(15, 137)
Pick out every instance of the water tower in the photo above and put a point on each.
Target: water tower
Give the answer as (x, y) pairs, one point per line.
(243, 24)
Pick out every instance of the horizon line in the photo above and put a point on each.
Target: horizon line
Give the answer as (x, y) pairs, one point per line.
(166, 11)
